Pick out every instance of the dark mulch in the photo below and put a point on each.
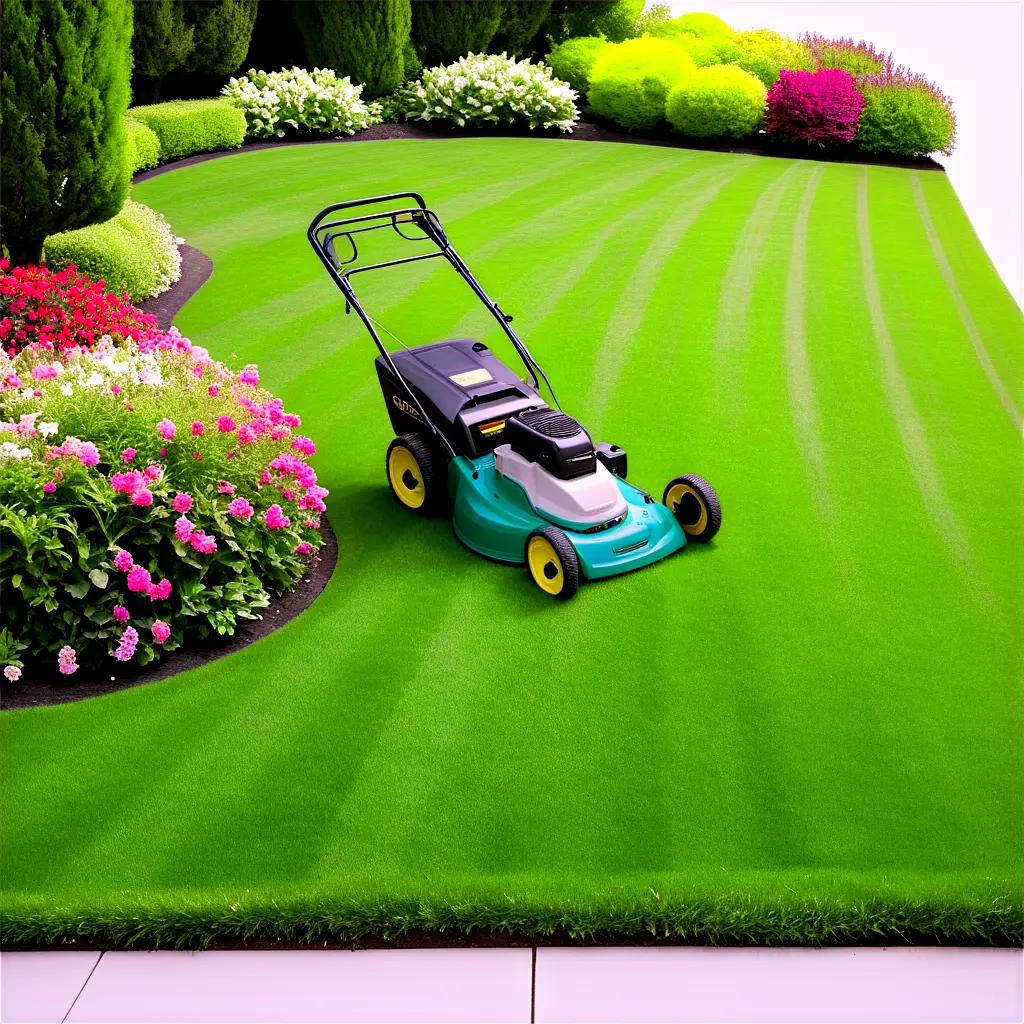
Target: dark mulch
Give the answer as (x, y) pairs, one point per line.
(196, 268)
(37, 691)
(589, 129)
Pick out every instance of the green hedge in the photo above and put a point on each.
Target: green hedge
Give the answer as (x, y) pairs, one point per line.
(573, 60)
(142, 147)
(185, 127)
(717, 101)
(631, 81)
(908, 119)
(134, 252)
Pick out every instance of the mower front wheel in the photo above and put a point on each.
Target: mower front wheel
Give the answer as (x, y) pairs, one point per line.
(412, 475)
(553, 563)
(696, 506)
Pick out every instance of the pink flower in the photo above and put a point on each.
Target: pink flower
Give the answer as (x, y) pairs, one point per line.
(182, 502)
(225, 424)
(183, 529)
(303, 445)
(12, 673)
(123, 561)
(249, 375)
(44, 372)
(166, 429)
(139, 580)
(143, 497)
(265, 477)
(121, 613)
(129, 641)
(115, 389)
(203, 543)
(128, 454)
(161, 631)
(247, 434)
(88, 454)
(198, 456)
(153, 473)
(225, 488)
(240, 509)
(280, 432)
(127, 483)
(213, 391)
(197, 428)
(49, 487)
(67, 661)
(160, 591)
(275, 519)
(305, 548)
(291, 420)
(163, 453)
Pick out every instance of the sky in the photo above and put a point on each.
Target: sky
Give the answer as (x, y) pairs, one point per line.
(973, 51)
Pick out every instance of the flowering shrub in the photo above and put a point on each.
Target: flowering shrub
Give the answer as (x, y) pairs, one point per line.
(716, 101)
(814, 106)
(134, 253)
(573, 60)
(631, 81)
(905, 114)
(858, 58)
(492, 88)
(149, 497)
(304, 101)
(61, 311)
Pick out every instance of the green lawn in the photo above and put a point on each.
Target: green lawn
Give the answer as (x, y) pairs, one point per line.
(808, 731)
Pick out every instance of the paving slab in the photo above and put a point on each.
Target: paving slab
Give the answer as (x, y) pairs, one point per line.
(795, 985)
(41, 986)
(310, 985)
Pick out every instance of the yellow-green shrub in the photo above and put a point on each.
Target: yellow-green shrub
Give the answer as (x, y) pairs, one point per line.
(700, 24)
(142, 147)
(765, 53)
(631, 81)
(718, 101)
(185, 127)
(573, 60)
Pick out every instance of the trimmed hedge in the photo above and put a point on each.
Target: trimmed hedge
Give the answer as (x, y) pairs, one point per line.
(134, 252)
(185, 127)
(717, 101)
(906, 116)
(631, 81)
(142, 147)
(573, 60)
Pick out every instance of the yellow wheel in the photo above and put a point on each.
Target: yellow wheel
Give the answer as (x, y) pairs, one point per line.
(410, 468)
(696, 506)
(553, 563)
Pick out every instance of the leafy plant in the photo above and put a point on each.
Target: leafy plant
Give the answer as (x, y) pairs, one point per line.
(142, 147)
(814, 106)
(444, 30)
(765, 53)
(63, 95)
(492, 89)
(185, 127)
(161, 41)
(573, 60)
(149, 497)
(716, 101)
(134, 253)
(221, 31)
(315, 101)
(630, 81)
(905, 114)
(520, 22)
(697, 23)
(856, 57)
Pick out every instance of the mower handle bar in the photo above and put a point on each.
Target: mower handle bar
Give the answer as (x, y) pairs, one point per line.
(322, 236)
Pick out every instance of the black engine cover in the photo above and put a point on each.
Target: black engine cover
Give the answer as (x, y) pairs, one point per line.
(552, 440)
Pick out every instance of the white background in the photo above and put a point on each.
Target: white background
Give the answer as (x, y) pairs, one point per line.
(970, 49)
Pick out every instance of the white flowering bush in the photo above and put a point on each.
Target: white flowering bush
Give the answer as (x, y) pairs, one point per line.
(492, 88)
(304, 101)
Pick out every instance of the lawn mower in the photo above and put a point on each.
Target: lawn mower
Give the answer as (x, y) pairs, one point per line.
(524, 482)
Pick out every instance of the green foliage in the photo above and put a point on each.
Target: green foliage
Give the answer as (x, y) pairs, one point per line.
(63, 95)
(907, 119)
(698, 24)
(630, 81)
(185, 127)
(444, 30)
(653, 19)
(411, 63)
(717, 101)
(142, 147)
(573, 60)
(221, 30)
(134, 252)
(765, 53)
(364, 41)
(620, 20)
(520, 22)
(162, 38)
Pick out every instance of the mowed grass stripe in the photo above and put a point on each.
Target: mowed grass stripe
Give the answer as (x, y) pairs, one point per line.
(970, 326)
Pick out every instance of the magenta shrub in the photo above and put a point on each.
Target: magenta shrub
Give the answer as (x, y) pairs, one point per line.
(814, 106)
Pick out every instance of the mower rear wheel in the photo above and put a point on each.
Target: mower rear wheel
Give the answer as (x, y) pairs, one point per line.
(553, 563)
(410, 466)
(696, 506)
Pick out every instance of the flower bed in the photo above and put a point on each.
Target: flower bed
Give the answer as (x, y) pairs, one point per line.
(151, 496)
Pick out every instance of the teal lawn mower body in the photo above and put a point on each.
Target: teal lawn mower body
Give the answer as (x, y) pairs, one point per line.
(524, 482)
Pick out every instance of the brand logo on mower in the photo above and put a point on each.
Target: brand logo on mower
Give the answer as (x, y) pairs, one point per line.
(407, 407)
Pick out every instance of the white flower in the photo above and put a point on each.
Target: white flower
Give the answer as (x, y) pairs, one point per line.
(10, 450)
(47, 429)
(12, 673)
(66, 389)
